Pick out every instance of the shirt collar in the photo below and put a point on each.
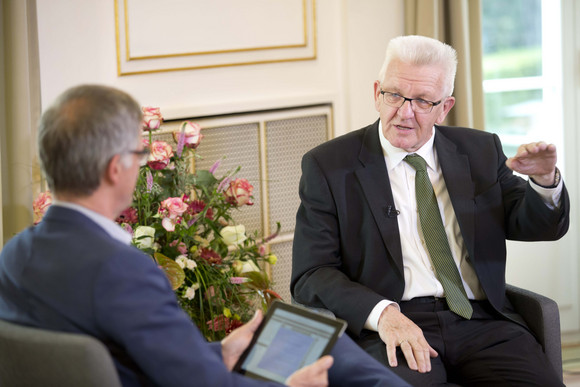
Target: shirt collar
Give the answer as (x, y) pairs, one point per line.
(394, 156)
(110, 227)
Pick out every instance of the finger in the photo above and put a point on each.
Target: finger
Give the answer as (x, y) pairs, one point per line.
(325, 362)
(422, 359)
(392, 354)
(432, 352)
(409, 354)
(254, 323)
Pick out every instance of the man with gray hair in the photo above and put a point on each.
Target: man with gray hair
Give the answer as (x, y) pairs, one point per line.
(76, 271)
(403, 224)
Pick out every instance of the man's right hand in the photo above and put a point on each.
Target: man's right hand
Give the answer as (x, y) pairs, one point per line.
(396, 330)
(314, 375)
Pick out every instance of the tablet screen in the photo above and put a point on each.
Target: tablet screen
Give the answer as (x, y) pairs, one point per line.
(289, 338)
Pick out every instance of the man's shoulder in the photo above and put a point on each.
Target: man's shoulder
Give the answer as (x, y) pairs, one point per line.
(459, 132)
(466, 139)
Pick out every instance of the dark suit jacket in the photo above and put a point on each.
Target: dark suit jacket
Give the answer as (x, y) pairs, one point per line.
(67, 274)
(347, 250)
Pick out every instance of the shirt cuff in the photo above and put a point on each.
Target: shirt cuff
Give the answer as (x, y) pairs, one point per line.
(550, 196)
(372, 322)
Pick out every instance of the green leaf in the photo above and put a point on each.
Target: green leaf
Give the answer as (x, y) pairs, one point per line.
(205, 178)
(172, 270)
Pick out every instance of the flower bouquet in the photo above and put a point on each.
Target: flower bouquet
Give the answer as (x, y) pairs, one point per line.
(182, 218)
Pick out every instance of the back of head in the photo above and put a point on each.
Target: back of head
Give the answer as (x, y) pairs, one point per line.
(80, 133)
(421, 51)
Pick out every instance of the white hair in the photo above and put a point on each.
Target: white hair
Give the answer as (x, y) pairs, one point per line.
(421, 50)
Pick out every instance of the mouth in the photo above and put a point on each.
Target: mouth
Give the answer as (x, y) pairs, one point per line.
(401, 127)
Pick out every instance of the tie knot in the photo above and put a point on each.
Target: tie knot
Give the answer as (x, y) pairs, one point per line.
(416, 162)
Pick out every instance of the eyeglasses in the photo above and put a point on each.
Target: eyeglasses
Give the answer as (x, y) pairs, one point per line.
(418, 105)
(142, 154)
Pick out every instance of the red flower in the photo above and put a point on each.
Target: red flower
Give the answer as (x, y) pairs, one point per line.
(222, 323)
(128, 216)
(197, 206)
(210, 256)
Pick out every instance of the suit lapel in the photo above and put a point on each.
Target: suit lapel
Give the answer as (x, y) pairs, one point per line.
(457, 175)
(374, 180)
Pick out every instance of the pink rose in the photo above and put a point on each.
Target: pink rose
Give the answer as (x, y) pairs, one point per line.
(239, 192)
(152, 118)
(181, 247)
(192, 133)
(161, 154)
(40, 205)
(173, 207)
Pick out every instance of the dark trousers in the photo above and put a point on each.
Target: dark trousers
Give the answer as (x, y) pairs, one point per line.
(484, 351)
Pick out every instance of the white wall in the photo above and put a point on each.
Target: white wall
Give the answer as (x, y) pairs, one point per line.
(77, 45)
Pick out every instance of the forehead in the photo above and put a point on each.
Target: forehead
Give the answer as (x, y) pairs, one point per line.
(414, 80)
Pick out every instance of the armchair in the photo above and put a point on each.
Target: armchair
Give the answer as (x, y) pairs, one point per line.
(539, 312)
(37, 357)
(543, 318)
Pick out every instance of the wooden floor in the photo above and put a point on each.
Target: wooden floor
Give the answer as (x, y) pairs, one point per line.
(571, 359)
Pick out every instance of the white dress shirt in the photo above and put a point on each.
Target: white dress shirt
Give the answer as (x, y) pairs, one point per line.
(112, 228)
(420, 278)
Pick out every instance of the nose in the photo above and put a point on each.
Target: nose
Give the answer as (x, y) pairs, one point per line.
(406, 111)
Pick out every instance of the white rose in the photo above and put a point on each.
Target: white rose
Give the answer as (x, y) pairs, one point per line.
(190, 291)
(233, 235)
(248, 266)
(191, 264)
(181, 261)
(143, 237)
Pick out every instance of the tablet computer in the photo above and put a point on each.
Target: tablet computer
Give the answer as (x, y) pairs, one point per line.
(289, 338)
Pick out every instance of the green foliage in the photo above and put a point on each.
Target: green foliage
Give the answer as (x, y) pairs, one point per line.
(184, 221)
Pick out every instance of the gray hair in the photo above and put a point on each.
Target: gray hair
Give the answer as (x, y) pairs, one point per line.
(80, 133)
(421, 50)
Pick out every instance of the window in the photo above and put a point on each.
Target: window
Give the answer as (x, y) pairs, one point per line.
(522, 71)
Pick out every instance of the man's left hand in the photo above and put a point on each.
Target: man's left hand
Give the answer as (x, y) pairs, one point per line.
(537, 160)
(236, 342)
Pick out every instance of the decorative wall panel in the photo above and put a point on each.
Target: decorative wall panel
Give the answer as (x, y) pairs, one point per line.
(154, 36)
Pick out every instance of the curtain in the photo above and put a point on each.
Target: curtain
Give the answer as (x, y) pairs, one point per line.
(19, 113)
(457, 23)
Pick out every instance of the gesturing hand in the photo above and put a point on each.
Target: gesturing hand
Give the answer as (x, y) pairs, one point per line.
(396, 330)
(537, 160)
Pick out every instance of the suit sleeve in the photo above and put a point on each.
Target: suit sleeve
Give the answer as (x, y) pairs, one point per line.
(136, 308)
(318, 277)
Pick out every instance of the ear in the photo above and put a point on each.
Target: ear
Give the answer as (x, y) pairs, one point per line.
(447, 105)
(377, 86)
(112, 174)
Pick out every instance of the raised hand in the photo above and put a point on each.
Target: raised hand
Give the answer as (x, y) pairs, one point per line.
(537, 160)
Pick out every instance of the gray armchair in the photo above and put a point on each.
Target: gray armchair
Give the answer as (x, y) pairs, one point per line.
(543, 318)
(36, 357)
(539, 312)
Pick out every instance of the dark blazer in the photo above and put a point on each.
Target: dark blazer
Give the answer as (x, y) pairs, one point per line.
(347, 250)
(67, 274)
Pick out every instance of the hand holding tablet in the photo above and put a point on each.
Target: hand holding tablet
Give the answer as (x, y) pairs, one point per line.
(289, 338)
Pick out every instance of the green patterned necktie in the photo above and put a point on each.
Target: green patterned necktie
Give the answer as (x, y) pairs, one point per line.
(436, 240)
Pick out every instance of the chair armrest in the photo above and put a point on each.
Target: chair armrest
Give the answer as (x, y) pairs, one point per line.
(322, 311)
(542, 316)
